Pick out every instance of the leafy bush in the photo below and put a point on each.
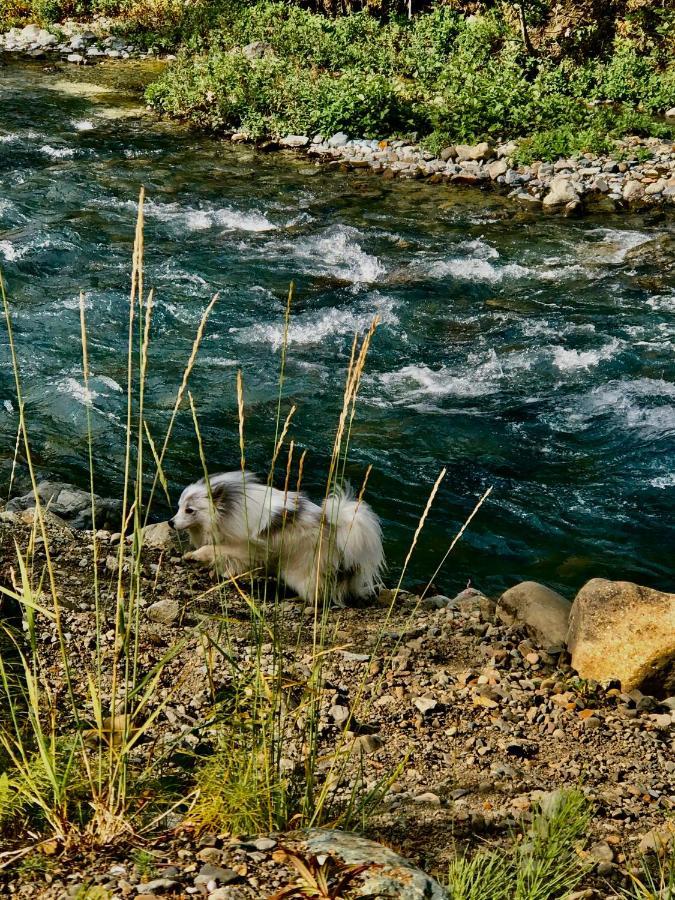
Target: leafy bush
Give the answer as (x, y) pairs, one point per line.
(447, 77)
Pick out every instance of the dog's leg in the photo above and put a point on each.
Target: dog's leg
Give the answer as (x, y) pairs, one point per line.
(204, 555)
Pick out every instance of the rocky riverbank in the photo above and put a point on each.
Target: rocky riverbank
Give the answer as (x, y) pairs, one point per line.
(479, 697)
(638, 173)
(73, 42)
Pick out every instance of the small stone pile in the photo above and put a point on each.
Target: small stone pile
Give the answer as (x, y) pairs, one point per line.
(71, 41)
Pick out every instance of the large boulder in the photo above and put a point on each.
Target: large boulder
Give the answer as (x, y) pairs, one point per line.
(387, 874)
(543, 612)
(622, 630)
(70, 504)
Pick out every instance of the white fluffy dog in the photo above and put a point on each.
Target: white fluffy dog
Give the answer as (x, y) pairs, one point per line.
(333, 550)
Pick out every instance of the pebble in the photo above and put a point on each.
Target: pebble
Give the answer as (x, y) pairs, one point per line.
(216, 875)
(425, 704)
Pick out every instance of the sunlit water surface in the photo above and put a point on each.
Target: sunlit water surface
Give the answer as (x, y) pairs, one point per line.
(526, 352)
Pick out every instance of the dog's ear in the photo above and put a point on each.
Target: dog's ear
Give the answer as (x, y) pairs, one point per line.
(220, 493)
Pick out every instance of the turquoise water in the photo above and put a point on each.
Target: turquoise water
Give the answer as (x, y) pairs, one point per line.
(527, 352)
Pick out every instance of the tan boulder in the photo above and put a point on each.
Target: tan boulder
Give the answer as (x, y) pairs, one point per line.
(480, 151)
(159, 536)
(562, 191)
(543, 612)
(622, 630)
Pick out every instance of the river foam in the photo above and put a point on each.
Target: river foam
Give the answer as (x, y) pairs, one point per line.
(337, 252)
(312, 328)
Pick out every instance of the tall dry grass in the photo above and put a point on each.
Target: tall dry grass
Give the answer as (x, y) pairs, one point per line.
(80, 744)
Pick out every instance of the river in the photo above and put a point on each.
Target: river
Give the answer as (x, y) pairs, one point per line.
(522, 351)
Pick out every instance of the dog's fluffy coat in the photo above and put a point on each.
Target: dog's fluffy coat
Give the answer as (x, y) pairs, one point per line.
(334, 550)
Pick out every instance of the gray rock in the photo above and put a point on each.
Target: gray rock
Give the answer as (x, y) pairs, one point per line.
(599, 184)
(256, 50)
(294, 141)
(339, 714)
(158, 886)
(217, 874)
(71, 504)
(388, 876)
(163, 611)
(338, 140)
(543, 612)
(425, 704)
(438, 601)
(368, 743)
(75, 58)
(670, 113)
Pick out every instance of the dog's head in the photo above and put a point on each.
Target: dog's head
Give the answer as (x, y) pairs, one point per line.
(193, 508)
(200, 505)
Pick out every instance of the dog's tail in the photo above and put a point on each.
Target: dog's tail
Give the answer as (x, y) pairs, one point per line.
(355, 545)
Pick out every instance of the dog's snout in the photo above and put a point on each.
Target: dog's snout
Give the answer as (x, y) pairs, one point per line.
(172, 523)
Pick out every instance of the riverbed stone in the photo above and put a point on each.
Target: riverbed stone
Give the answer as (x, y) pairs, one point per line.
(388, 876)
(561, 191)
(497, 168)
(543, 612)
(633, 190)
(338, 140)
(467, 152)
(294, 141)
(623, 630)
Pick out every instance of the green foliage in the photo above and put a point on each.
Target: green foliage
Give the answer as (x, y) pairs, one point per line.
(446, 77)
(545, 863)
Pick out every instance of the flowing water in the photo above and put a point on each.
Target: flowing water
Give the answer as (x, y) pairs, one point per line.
(526, 352)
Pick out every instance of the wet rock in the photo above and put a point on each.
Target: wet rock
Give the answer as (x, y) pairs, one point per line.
(621, 630)
(163, 611)
(543, 612)
(388, 876)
